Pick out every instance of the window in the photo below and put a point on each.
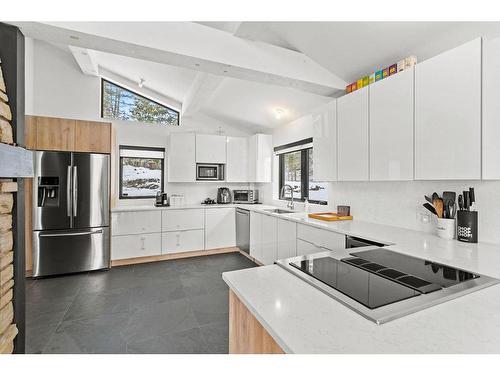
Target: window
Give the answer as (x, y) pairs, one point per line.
(141, 172)
(122, 104)
(296, 170)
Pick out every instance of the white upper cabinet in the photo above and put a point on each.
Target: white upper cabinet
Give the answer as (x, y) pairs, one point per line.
(352, 115)
(260, 156)
(448, 115)
(210, 149)
(491, 109)
(237, 159)
(391, 128)
(181, 157)
(324, 123)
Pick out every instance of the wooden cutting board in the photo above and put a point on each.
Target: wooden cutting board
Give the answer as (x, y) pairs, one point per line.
(328, 216)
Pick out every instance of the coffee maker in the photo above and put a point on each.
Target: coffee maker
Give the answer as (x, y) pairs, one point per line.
(223, 195)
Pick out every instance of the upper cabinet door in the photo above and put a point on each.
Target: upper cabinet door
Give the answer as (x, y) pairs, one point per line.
(352, 112)
(324, 122)
(237, 159)
(260, 158)
(391, 128)
(181, 158)
(210, 149)
(448, 115)
(55, 134)
(491, 109)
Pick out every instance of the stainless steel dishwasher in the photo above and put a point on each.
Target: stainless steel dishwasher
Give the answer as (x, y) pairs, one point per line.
(243, 230)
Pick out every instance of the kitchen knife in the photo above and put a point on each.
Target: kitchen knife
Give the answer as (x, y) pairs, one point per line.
(430, 208)
(460, 202)
(466, 200)
(472, 198)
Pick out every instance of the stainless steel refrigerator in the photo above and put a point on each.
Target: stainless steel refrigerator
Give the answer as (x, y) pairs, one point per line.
(70, 212)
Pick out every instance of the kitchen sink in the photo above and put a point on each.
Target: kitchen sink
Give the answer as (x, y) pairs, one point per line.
(279, 211)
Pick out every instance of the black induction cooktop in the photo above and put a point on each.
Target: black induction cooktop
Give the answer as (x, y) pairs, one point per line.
(380, 277)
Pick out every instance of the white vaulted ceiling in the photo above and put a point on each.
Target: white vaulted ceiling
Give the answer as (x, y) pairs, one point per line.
(245, 92)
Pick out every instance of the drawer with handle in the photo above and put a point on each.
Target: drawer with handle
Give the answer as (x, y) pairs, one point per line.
(321, 237)
(134, 222)
(179, 241)
(187, 219)
(137, 245)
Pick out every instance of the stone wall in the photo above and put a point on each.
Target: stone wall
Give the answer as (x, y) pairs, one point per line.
(8, 187)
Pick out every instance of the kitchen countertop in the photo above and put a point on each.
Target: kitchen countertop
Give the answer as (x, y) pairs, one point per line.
(187, 207)
(302, 319)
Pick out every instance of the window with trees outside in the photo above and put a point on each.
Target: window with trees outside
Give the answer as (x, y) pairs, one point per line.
(122, 104)
(296, 170)
(141, 172)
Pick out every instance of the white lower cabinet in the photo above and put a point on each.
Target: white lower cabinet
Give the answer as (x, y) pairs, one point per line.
(220, 228)
(135, 222)
(306, 248)
(325, 239)
(182, 219)
(269, 239)
(185, 240)
(286, 239)
(135, 245)
(256, 235)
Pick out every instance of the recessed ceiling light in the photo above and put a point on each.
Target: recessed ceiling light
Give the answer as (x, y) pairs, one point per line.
(141, 82)
(279, 113)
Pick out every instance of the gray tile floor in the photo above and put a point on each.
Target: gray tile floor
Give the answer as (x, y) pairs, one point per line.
(176, 306)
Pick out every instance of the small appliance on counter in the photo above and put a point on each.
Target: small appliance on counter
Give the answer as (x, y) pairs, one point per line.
(209, 201)
(246, 196)
(223, 195)
(161, 200)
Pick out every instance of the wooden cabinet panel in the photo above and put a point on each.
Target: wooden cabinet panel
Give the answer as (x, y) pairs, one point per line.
(58, 134)
(55, 134)
(246, 334)
(92, 136)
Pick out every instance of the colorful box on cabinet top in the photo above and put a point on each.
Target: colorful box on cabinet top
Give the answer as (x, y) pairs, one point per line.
(381, 74)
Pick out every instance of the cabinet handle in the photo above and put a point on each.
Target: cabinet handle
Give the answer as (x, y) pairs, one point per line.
(143, 240)
(178, 238)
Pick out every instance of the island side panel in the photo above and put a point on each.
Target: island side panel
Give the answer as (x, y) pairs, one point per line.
(246, 334)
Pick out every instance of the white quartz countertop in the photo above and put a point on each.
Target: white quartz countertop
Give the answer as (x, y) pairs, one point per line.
(189, 207)
(302, 319)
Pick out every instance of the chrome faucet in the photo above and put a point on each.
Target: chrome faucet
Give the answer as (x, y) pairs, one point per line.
(282, 196)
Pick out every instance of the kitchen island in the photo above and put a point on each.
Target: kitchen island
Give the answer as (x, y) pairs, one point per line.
(298, 318)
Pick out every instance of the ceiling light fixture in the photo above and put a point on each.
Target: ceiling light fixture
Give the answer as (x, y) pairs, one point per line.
(141, 82)
(279, 113)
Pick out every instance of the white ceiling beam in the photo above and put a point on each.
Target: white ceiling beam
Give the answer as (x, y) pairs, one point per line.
(194, 46)
(85, 60)
(200, 92)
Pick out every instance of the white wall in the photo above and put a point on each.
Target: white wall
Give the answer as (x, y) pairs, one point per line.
(56, 87)
(395, 203)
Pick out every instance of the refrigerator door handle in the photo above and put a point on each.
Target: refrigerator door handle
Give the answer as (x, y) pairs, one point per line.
(68, 191)
(75, 191)
(71, 234)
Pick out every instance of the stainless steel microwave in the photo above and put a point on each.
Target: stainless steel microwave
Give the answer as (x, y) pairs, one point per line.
(245, 196)
(210, 172)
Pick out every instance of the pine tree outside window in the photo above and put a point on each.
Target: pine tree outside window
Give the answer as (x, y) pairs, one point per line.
(122, 104)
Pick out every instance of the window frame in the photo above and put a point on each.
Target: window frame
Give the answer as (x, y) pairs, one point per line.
(304, 174)
(140, 95)
(120, 176)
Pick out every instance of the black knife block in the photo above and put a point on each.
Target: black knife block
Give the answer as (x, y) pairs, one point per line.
(467, 226)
